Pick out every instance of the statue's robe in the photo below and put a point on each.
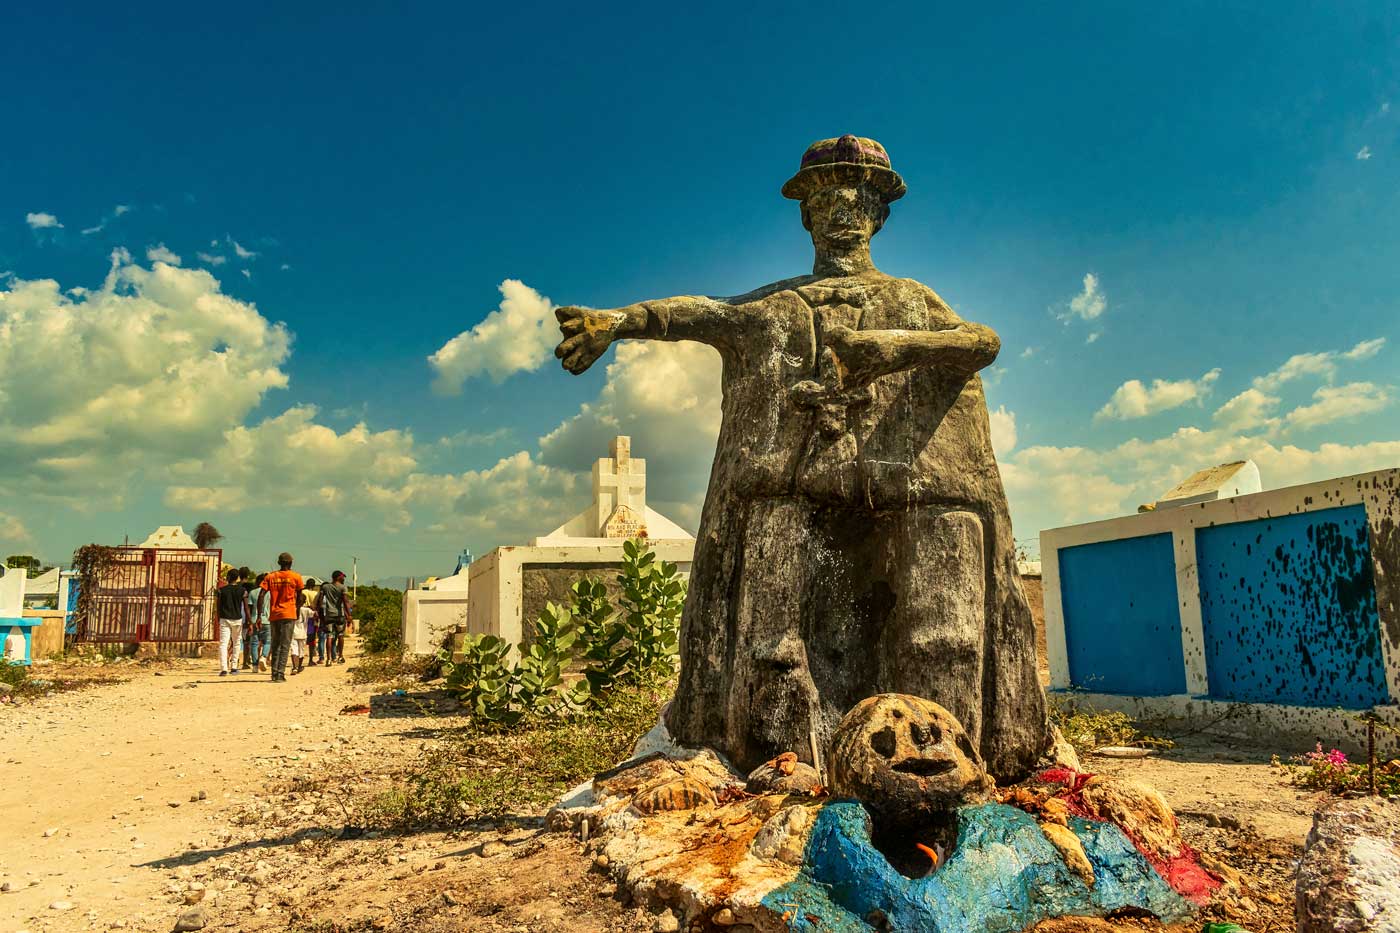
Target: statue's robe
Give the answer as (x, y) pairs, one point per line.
(852, 542)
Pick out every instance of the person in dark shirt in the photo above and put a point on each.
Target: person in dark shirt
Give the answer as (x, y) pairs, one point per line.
(232, 601)
(333, 604)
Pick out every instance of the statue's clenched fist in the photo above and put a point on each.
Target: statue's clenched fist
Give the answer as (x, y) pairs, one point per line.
(587, 335)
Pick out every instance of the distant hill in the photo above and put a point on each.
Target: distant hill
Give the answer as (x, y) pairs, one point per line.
(389, 583)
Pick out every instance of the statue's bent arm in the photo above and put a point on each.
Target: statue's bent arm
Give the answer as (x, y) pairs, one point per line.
(589, 332)
(866, 355)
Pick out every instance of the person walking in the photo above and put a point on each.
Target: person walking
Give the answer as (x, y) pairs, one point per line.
(260, 601)
(232, 602)
(333, 605)
(301, 632)
(284, 587)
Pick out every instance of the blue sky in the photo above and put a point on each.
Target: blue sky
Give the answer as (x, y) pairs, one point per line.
(1227, 174)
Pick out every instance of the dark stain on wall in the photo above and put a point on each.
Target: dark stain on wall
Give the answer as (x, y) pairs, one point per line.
(1289, 610)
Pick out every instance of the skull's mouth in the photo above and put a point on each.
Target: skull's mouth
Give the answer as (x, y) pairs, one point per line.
(924, 767)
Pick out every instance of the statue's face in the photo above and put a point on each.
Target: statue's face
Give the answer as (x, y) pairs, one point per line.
(841, 218)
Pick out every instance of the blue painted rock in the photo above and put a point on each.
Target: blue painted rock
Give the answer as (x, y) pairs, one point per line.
(1003, 876)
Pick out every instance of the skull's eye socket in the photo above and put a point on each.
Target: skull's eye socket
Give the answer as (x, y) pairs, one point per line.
(924, 736)
(884, 742)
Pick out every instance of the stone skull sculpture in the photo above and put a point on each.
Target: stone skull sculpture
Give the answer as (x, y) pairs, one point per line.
(907, 759)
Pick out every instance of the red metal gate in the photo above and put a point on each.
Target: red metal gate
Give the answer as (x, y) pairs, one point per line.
(155, 594)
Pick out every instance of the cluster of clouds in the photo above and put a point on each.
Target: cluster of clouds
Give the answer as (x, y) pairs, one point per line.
(1055, 485)
(157, 379)
(154, 380)
(100, 385)
(1086, 307)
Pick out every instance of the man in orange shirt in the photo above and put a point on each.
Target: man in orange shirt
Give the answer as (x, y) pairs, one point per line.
(284, 591)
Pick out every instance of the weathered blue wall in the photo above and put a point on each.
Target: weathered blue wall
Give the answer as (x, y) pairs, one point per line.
(1288, 607)
(1122, 625)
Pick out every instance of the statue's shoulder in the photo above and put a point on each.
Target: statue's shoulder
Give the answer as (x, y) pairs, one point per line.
(771, 289)
(940, 312)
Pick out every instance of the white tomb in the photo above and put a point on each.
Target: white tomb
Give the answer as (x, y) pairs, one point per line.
(1225, 481)
(433, 610)
(170, 536)
(590, 543)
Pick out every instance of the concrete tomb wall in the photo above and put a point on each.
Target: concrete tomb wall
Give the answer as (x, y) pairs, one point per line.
(1280, 608)
(505, 590)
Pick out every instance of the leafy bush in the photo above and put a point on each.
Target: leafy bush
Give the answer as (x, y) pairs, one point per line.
(1087, 729)
(633, 645)
(488, 773)
(379, 617)
(13, 674)
(1332, 772)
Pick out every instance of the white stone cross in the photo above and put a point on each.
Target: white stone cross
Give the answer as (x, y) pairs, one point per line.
(619, 481)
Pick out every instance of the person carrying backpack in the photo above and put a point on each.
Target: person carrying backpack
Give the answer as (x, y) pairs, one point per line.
(333, 605)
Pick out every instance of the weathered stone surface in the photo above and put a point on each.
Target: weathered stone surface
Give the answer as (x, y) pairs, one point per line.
(907, 760)
(1070, 848)
(1349, 876)
(855, 538)
(784, 836)
(549, 583)
(1141, 811)
(783, 775)
(682, 793)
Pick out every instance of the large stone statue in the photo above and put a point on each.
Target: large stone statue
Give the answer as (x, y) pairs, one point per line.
(855, 537)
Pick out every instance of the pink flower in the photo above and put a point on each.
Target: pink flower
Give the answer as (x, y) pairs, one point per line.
(1336, 757)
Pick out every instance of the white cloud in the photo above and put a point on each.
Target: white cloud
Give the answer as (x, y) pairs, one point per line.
(1248, 410)
(101, 225)
(41, 220)
(239, 250)
(312, 463)
(666, 397)
(1365, 349)
(210, 259)
(1089, 304)
(1363, 154)
(159, 253)
(104, 387)
(1051, 486)
(1321, 364)
(1132, 399)
(1003, 430)
(12, 531)
(516, 337)
(247, 274)
(1028, 352)
(285, 266)
(1339, 403)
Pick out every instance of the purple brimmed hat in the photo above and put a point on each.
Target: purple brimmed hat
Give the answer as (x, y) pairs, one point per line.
(849, 160)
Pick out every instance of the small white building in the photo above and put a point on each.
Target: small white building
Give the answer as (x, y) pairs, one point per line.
(510, 584)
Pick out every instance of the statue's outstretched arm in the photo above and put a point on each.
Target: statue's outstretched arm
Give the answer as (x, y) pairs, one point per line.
(866, 355)
(589, 332)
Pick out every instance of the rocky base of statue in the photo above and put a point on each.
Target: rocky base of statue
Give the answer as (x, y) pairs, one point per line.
(911, 836)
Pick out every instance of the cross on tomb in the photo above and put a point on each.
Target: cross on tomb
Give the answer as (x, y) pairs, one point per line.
(620, 492)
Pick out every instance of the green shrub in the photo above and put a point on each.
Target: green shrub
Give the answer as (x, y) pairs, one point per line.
(379, 616)
(13, 674)
(1087, 729)
(1333, 772)
(487, 772)
(633, 645)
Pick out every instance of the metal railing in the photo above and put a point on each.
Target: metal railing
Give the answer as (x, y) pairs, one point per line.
(155, 595)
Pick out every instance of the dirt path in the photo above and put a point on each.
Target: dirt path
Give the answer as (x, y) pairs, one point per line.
(103, 783)
(102, 831)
